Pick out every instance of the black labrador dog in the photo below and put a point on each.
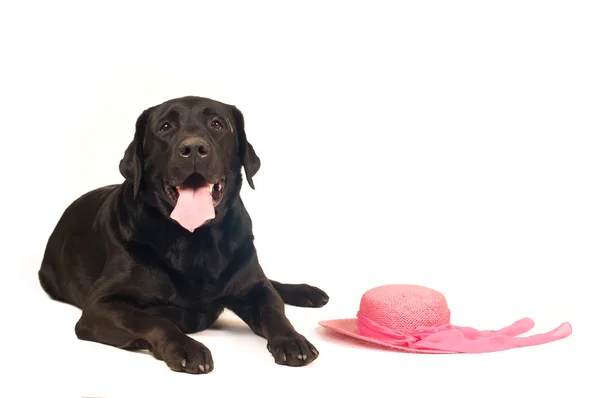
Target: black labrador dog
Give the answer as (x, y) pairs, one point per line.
(164, 253)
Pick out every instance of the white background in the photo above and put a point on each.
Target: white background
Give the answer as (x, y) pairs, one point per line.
(449, 144)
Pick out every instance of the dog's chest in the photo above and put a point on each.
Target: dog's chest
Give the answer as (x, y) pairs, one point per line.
(206, 251)
(200, 264)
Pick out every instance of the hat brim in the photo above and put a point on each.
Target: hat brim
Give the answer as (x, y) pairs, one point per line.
(348, 327)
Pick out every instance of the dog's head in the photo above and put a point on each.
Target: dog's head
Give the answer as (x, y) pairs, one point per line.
(188, 153)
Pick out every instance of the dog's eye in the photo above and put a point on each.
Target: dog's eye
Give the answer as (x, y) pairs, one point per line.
(166, 126)
(217, 125)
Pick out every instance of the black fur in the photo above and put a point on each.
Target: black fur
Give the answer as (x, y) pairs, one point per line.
(144, 282)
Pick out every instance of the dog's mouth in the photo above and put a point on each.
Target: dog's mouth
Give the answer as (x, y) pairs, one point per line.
(196, 183)
(194, 201)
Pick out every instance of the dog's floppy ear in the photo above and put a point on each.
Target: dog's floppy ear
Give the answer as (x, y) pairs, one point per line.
(131, 166)
(249, 158)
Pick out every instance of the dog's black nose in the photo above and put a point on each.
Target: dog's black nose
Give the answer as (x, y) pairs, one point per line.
(193, 145)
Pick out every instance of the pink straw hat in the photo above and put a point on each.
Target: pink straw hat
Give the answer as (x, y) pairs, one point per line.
(417, 319)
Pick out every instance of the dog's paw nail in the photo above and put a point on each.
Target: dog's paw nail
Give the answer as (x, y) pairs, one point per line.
(284, 358)
(183, 362)
(202, 367)
(314, 351)
(207, 367)
(300, 356)
(304, 357)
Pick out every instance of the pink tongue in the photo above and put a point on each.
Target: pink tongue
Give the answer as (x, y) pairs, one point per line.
(194, 207)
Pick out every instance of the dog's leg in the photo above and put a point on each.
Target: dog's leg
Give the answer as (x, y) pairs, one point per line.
(123, 325)
(301, 295)
(263, 310)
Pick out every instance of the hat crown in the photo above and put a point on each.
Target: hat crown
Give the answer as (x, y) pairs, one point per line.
(404, 308)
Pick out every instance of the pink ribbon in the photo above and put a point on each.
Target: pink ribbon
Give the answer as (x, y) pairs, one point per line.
(460, 339)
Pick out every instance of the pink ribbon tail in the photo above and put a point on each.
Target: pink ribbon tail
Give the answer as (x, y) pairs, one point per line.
(457, 339)
(468, 340)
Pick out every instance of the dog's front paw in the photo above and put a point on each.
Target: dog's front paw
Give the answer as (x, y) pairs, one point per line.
(186, 355)
(303, 295)
(292, 351)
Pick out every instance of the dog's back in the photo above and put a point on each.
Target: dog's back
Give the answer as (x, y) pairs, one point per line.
(74, 255)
